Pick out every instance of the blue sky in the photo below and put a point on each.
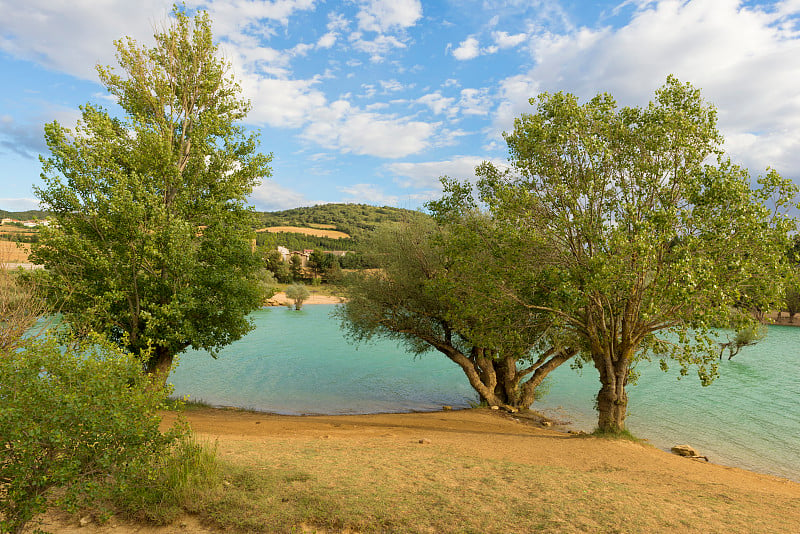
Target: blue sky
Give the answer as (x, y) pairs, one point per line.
(372, 100)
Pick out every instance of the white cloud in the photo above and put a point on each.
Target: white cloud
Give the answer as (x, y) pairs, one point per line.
(383, 15)
(368, 194)
(504, 40)
(475, 102)
(376, 48)
(282, 103)
(327, 40)
(426, 174)
(745, 59)
(468, 49)
(437, 103)
(391, 86)
(271, 196)
(38, 30)
(341, 127)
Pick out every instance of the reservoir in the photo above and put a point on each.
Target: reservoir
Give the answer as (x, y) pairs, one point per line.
(299, 362)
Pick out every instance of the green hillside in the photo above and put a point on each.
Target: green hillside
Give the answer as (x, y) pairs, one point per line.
(357, 220)
(23, 215)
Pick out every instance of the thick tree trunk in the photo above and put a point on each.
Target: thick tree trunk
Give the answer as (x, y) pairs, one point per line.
(159, 366)
(612, 400)
(528, 390)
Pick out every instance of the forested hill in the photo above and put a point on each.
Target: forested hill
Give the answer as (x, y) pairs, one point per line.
(357, 220)
(23, 215)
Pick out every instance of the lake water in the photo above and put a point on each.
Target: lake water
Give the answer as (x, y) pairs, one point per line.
(300, 363)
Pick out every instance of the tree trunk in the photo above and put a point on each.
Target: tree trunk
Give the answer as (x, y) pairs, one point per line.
(528, 390)
(612, 400)
(159, 366)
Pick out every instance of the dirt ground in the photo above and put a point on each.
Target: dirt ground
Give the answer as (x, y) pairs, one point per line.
(481, 433)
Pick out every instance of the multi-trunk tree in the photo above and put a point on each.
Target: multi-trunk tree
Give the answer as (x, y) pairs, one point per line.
(432, 292)
(642, 237)
(151, 241)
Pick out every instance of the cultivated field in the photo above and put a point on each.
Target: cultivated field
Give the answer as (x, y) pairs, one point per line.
(316, 232)
(11, 253)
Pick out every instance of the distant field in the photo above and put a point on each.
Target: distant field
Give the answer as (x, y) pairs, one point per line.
(10, 253)
(323, 226)
(316, 232)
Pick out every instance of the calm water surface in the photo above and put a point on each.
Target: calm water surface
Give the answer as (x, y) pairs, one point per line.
(300, 363)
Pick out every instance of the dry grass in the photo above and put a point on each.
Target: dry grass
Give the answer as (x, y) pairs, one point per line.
(474, 471)
(316, 232)
(409, 487)
(12, 252)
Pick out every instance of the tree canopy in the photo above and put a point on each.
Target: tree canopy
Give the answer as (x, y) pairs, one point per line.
(641, 237)
(151, 245)
(431, 294)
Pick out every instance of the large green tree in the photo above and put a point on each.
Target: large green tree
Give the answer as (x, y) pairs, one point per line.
(433, 292)
(643, 237)
(151, 245)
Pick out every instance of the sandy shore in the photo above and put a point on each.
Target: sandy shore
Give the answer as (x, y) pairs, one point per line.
(279, 299)
(688, 488)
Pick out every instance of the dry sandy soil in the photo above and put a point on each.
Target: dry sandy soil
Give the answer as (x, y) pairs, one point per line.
(482, 433)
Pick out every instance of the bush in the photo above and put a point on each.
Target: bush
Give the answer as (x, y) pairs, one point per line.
(84, 419)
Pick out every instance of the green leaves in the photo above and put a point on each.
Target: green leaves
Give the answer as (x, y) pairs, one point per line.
(78, 418)
(152, 242)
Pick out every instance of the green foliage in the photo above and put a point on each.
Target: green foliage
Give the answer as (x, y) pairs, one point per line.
(433, 291)
(152, 246)
(357, 220)
(294, 241)
(636, 227)
(83, 419)
(297, 293)
(296, 267)
(29, 215)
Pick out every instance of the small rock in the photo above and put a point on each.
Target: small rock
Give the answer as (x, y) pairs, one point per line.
(684, 450)
(447, 408)
(547, 423)
(495, 407)
(85, 521)
(184, 524)
(424, 441)
(511, 409)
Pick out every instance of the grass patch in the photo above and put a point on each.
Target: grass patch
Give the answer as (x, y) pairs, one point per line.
(404, 487)
(623, 434)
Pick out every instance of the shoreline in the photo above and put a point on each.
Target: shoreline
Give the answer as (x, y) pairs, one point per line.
(220, 423)
(279, 299)
(535, 419)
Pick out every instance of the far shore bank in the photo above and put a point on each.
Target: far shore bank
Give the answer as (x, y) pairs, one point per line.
(280, 299)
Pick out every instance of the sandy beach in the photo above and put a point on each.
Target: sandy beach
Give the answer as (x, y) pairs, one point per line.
(697, 495)
(279, 299)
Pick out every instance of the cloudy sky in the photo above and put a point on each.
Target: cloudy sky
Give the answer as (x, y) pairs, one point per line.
(372, 100)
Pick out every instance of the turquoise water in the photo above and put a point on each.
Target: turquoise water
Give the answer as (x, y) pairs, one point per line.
(300, 363)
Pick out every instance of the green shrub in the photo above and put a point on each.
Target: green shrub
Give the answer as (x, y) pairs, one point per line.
(84, 419)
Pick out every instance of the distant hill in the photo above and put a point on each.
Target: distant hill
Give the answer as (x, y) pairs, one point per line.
(23, 215)
(356, 220)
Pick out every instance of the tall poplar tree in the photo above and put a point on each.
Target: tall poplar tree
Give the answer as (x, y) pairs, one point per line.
(151, 245)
